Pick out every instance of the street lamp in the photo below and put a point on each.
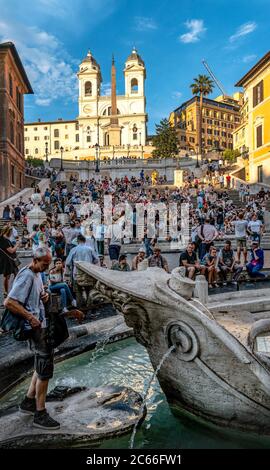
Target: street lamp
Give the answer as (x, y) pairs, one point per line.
(128, 147)
(61, 165)
(197, 155)
(97, 158)
(46, 152)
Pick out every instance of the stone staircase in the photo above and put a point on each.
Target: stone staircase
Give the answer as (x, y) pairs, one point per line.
(19, 226)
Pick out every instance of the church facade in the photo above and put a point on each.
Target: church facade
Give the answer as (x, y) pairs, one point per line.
(114, 125)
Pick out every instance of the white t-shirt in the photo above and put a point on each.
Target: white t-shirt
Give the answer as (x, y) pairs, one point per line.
(240, 228)
(255, 226)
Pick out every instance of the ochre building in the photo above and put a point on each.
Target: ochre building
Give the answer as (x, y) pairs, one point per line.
(219, 119)
(252, 137)
(13, 85)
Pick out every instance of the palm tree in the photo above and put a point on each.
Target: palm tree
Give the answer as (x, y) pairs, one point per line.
(202, 86)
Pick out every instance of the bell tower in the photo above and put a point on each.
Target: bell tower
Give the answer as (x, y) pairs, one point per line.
(90, 80)
(135, 75)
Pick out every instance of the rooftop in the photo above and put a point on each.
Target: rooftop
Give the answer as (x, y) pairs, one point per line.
(254, 70)
(9, 45)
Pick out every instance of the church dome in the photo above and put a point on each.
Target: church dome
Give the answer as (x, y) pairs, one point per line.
(134, 56)
(90, 58)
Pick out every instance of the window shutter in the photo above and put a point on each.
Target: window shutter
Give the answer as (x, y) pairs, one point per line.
(259, 136)
(254, 96)
(261, 89)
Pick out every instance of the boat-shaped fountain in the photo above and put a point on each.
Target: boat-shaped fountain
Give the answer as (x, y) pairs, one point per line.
(220, 367)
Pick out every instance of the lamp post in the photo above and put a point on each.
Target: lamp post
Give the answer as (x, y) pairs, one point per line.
(113, 151)
(197, 155)
(128, 147)
(61, 165)
(46, 152)
(97, 158)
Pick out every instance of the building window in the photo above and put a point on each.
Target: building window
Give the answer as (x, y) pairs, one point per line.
(46, 137)
(45, 128)
(66, 136)
(56, 145)
(135, 132)
(56, 132)
(18, 99)
(26, 152)
(12, 174)
(10, 86)
(260, 173)
(88, 138)
(12, 132)
(36, 138)
(259, 141)
(35, 128)
(134, 85)
(209, 142)
(88, 89)
(21, 180)
(77, 138)
(209, 131)
(77, 126)
(258, 94)
(36, 151)
(26, 129)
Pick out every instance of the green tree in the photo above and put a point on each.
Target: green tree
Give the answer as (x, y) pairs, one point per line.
(231, 155)
(202, 86)
(32, 161)
(165, 140)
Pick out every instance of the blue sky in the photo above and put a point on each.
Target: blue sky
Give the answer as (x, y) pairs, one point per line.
(52, 36)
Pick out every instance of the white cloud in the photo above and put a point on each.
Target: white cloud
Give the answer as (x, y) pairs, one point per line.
(176, 94)
(106, 89)
(249, 58)
(143, 23)
(43, 102)
(243, 30)
(196, 29)
(51, 70)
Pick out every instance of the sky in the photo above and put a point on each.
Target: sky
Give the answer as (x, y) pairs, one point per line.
(172, 37)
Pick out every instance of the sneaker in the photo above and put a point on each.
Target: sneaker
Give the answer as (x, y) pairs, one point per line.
(43, 420)
(28, 406)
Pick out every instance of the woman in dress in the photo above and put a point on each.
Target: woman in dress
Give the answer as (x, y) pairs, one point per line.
(7, 257)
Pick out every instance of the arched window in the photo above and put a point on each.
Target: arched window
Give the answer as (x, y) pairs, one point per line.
(108, 111)
(88, 89)
(135, 132)
(134, 85)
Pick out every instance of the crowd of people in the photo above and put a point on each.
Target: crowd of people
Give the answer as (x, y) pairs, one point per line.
(213, 217)
(72, 232)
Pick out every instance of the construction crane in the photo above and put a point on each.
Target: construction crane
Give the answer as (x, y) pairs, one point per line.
(214, 78)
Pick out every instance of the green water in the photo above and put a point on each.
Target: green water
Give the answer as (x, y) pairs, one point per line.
(127, 363)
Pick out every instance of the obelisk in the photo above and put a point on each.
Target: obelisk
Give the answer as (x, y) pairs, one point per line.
(114, 129)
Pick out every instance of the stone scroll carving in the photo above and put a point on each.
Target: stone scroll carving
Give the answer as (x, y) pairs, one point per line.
(136, 316)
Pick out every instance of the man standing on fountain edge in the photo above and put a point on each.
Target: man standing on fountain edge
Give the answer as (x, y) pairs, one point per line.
(27, 298)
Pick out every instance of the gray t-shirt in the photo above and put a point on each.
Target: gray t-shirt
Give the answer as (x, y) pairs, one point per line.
(240, 228)
(20, 291)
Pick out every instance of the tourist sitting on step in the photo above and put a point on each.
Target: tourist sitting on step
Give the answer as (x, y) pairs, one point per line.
(256, 260)
(228, 268)
(57, 285)
(121, 264)
(190, 261)
(157, 260)
(210, 261)
(138, 259)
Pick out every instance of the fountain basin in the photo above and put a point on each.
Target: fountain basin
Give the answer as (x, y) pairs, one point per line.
(86, 417)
